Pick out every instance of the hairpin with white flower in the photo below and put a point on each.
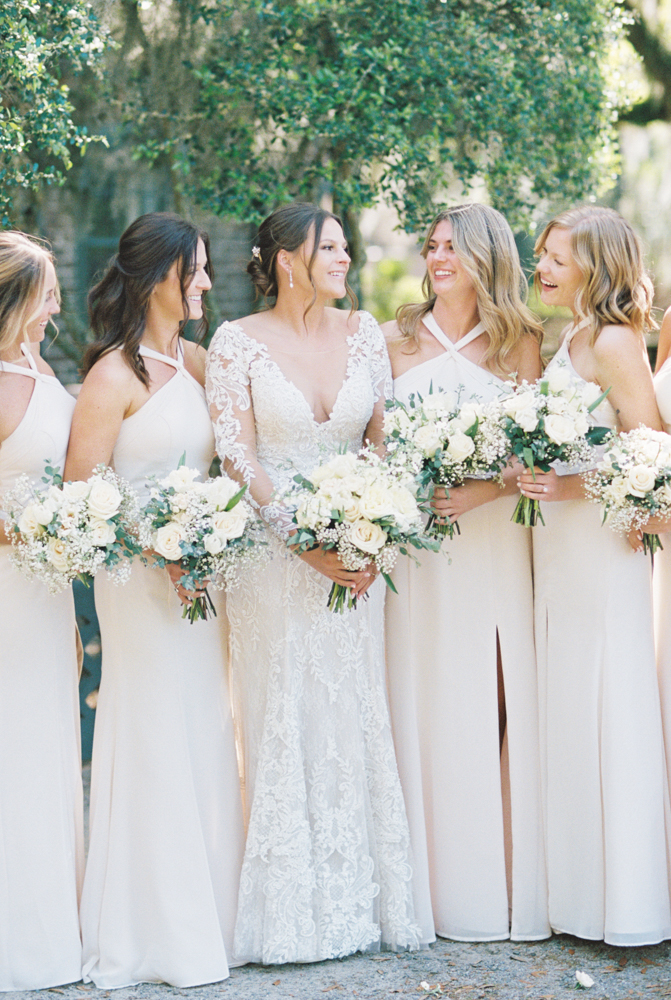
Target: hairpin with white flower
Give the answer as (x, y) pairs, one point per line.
(256, 252)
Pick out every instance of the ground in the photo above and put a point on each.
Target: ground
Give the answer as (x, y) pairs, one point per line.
(542, 970)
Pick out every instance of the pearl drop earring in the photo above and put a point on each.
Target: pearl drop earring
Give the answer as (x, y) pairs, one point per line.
(291, 279)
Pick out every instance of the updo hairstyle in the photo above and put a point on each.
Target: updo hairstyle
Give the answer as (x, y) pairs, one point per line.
(616, 288)
(288, 228)
(119, 302)
(23, 269)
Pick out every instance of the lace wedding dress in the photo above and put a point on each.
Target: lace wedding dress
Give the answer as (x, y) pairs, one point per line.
(327, 868)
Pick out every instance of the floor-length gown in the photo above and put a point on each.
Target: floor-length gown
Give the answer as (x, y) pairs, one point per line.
(327, 867)
(442, 630)
(601, 733)
(41, 814)
(662, 581)
(166, 837)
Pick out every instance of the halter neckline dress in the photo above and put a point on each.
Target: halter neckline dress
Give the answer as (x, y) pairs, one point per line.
(41, 812)
(479, 814)
(164, 861)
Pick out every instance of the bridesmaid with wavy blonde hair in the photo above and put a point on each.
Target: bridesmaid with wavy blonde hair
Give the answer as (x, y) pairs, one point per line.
(603, 758)
(41, 813)
(460, 647)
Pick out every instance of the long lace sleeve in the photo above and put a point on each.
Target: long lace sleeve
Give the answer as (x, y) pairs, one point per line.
(228, 390)
(373, 348)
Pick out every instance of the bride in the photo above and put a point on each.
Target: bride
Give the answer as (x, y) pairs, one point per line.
(327, 870)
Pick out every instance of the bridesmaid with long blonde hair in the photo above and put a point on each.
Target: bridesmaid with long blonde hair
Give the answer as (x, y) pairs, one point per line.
(41, 813)
(603, 759)
(460, 648)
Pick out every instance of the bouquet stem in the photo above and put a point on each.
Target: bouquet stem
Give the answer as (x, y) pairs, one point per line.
(651, 544)
(200, 607)
(437, 530)
(339, 597)
(527, 512)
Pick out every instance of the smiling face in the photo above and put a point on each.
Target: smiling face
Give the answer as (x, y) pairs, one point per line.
(48, 306)
(445, 271)
(167, 294)
(330, 265)
(559, 276)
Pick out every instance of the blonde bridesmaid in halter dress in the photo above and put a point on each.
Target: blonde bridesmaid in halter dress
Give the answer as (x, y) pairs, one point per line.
(601, 728)
(41, 815)
(162, 875)
(465, 615)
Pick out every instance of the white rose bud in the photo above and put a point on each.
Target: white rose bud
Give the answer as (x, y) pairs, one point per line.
(167, 539)
(45, 511)
(77, 490)
(104, 499)
(28, 523)
(559, 429)
(214, 543)
(460, 446)
(558, 378)
(641, 480)
(584, 980)
(231, 523)
(221, 490)
(591, 392)
(527, 419)
(367, 537)
(57, 554)
(102, 533)
(181, 479)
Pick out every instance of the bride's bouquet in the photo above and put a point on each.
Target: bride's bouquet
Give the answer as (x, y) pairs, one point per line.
(205, 528)
(441, 442)
(364, 509)
(62, 531)
(633, 482)
(548, 421)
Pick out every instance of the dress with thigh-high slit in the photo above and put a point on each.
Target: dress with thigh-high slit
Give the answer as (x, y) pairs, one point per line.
(601, 734)
(41, 816)
(477, 813)
(162, 875)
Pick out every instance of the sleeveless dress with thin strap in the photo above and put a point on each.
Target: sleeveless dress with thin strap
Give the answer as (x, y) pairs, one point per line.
(601, 733)
(166, 819)
(41, 816)
(479, 814)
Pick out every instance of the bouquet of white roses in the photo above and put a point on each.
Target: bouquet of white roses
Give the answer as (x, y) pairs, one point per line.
(62, 531)
(633, 482)
(442, 443)
(205, 528)
(548, 421)
(365, 510)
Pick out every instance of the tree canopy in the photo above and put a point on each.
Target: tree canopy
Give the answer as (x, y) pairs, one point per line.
(41, 40)
(401, 100)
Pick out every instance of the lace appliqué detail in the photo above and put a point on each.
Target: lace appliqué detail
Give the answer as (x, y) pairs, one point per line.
(327, 868)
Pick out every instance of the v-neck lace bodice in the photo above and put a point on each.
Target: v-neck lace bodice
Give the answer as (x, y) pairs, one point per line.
(241, 373)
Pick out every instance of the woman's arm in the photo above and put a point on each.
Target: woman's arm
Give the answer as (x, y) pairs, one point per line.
(102, 404)
(664, 342)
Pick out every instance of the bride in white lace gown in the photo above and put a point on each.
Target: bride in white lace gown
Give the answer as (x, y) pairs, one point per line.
(327, 868)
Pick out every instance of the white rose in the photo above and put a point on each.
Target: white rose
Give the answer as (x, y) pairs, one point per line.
(230, 523)
(584, 980)
(181, 479)
(591, 392)
(527, 419)
(558, 378)
(101, 532)
(641, 480)
(524, 400)
(338, 467)
(649, 451)
(77, 490)
(617, 490)
(367, 536)
(28, 523)
(351, 510)
(104, 499)
(45, 511)
(167, 539)
(438, 404)
(467, 416)
(460, 446)
(375, 502)
(221, 490)
(214, 543)
(56, 554)
(559, 429)
(428, 440)
(581, 424)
